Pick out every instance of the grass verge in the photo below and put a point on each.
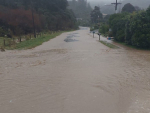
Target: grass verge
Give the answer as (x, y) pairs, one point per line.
(28, 44)
(109, 45)
(131, 46)
(1, 41)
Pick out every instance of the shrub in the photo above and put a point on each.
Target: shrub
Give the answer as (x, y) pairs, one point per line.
(104, 28)
(2, 32)
(133, 29)
(118, 22)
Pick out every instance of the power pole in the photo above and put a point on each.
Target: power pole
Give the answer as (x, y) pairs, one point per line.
(116, 5)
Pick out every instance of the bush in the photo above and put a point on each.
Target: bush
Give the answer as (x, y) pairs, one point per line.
(140, 27)
(117, 23)
(2, 32)
(133, 29)
(96, 26)
(110, 34)
(104, 28)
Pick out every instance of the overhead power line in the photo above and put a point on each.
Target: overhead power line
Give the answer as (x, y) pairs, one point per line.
(116, 5)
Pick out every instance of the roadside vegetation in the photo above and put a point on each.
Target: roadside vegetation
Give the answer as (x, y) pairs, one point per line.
(130, 27)
(96, 18)
(82, 10)
(19, 19)
(28, 44)
(109, 44)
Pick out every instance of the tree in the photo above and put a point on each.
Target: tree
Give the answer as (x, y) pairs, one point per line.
(117, 23)
(48, 14)
(81, 8)
(132, 28)
(137, 8)
(128, 8)
(96, 15)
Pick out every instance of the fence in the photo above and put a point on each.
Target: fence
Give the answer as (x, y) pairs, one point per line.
(10, 42)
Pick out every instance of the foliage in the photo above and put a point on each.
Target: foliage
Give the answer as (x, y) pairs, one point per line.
(133, 29)
(128, 8)
(28, 44)
(117, 22)
(81, 8)
(106, 18)
(51, 15)
(82, 11)
(109, 45)
(96, 15)
(137, 8)
(94, 27)
(2, 32)
(140, 26)
(83, 22)
(19, 18)
(104, 28)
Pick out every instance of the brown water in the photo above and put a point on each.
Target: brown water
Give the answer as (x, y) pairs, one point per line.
(79, 75)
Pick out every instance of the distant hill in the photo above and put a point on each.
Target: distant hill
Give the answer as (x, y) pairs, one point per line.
(81, 8)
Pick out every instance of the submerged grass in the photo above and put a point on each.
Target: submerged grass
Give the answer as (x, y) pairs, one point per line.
(28, 44)
(131, 46)
(109, 45)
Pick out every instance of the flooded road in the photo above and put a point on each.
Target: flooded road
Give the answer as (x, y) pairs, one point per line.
(74, 73)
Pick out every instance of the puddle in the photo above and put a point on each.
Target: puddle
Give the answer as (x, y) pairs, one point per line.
(70, 40)
(70, 37)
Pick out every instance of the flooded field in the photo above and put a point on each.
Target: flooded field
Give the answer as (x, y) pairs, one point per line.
(75, 73)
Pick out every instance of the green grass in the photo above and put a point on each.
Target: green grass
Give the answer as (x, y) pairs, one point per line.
(28, 44)
(131, 46)
(123, 43)
(7, 41)
(36, 41)
(1, 41)
(109, 45)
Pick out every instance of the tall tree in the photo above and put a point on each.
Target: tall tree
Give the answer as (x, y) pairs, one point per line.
(81, 8)
(128, 8)
(96, 15)
(48, 14)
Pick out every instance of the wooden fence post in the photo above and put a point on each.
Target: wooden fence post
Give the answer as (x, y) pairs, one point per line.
(4, 42)
(20, 39)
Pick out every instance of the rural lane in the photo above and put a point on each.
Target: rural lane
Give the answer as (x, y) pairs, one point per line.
(75, 73)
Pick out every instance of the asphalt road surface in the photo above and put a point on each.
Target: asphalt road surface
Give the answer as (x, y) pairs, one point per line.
(75, 73)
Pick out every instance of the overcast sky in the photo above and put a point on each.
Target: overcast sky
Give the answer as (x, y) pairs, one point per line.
(103, 0)
(140, 3)
(100, 0)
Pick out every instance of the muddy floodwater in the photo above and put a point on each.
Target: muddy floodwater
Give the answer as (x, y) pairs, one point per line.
(75, 73)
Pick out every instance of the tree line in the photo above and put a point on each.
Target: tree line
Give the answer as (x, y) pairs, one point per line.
(82, 10)
(21, 16)
(131, 27)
